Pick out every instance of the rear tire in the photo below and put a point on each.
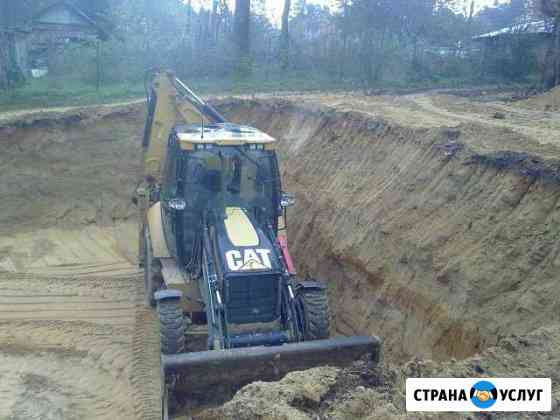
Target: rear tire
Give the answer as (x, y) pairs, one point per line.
(172, 326)
(314, 313)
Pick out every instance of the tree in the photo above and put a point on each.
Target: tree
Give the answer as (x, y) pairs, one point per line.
(345, 24)
(285, 36)
(551, 8)
(13, 15)
(241, 31)
(360, 41)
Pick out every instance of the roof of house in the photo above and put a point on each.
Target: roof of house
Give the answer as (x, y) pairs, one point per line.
(535, 27)
(66, 13)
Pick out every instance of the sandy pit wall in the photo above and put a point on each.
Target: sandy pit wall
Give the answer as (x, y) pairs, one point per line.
(438, 248)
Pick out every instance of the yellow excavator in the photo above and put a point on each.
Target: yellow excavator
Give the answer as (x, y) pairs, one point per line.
(213, 245)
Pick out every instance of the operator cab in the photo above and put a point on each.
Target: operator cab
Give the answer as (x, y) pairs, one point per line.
(216, 167)
(222, 187)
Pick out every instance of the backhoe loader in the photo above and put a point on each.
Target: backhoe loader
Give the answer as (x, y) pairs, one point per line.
(213, 245)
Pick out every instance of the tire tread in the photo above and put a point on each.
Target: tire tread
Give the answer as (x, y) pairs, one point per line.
(172, 327)
(316, 311)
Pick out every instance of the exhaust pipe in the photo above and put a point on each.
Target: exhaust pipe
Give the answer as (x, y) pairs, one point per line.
(241, 366)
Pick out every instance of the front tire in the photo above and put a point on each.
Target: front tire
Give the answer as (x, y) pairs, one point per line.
(172, 326)
(313, 311)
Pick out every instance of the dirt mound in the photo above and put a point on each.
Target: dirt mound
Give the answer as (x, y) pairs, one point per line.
(283, 400)
(549, 101)
(365, 392)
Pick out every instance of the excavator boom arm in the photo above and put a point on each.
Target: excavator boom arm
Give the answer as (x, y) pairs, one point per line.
(170, 102)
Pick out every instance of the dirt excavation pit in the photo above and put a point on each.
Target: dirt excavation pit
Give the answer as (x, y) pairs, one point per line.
(435, 226)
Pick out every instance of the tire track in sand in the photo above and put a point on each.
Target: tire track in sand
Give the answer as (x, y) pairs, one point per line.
(75, 340)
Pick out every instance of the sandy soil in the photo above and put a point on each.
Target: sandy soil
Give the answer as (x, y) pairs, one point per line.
(434, 218)
(520, 129)
(66, 324)
(54, 112)
(72, 324)
(548, 101)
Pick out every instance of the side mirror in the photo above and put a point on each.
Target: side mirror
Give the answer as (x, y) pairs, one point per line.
(287, 200)
(177, 204)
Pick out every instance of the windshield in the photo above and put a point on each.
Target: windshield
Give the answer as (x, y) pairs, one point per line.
(228, 176)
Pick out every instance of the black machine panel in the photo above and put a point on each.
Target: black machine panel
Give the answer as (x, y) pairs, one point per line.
(252, 298)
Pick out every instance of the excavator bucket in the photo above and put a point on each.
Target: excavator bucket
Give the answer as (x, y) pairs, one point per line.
(241, 366)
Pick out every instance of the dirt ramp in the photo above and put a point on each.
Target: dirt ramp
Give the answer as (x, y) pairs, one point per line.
(428, 242)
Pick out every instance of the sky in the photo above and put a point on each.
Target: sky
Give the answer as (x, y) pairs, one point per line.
(274, 7)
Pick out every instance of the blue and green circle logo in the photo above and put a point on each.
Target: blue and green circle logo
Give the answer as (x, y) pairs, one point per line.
(484, 394)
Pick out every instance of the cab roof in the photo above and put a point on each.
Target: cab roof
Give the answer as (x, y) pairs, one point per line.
(226, 134)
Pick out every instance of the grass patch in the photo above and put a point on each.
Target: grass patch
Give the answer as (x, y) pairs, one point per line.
(53, 92)
(254, 85)
(49, 92)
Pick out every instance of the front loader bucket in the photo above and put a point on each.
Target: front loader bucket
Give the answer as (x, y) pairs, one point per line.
(244, 365)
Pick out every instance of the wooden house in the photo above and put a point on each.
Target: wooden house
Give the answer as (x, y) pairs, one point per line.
(521, 48)
(34, 42)
(56, 26)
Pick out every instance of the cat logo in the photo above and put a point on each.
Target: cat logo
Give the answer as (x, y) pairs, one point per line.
(248, 259)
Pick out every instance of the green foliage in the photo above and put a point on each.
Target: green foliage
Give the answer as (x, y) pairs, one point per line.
(50, 92)
(361, 44)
